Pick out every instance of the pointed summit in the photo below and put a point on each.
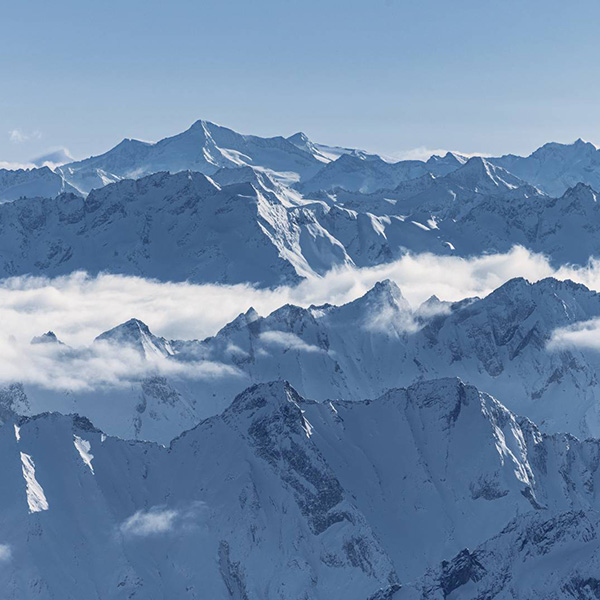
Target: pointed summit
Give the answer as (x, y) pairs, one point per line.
(432, 307)
(136, 334)
(479, 174)
(382, 309)
(274, 395)
(47, 338)
(581, 193)
(299, 139)
(384, 295)
(387, 292)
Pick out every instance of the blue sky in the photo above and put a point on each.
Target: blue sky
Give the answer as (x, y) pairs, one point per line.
(384, 75)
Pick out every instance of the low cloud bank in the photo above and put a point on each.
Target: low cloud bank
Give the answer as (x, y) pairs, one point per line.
(56, 367)
(79, 307)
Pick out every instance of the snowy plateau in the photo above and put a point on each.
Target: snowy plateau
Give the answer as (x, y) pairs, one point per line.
(363, 448)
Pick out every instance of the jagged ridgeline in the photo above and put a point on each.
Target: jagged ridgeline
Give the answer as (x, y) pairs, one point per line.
(337, 499)
(299, 209)
(364, 450)
(503, 343)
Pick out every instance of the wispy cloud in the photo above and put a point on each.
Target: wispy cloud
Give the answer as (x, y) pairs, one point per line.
(79, 307)
(160, 520)
(18, 136)
(287, 340)
(102, 365)
(151, 522)
(53, 157)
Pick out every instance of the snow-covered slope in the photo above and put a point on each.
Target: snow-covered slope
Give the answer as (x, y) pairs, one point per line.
(136, 335)
(323, 152)
(281, 497)
(172, 227)
(355, 210)
(480, 208)
(243, 506)
(240, 226)
(31, 183)
(536, 557)
(204, 147)
(363, 173)
(556, 167)
(553, 168)
(564, 229)
(502, 343)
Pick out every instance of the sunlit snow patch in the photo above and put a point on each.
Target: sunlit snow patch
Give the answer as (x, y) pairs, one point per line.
(36, 499)
(84, 447)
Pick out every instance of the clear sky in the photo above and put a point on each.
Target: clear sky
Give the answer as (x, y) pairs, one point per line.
(384, 75)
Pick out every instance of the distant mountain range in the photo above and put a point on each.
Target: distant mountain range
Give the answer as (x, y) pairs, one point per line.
(334, 451)
(502, 343)
(206, 147)
(275, 210)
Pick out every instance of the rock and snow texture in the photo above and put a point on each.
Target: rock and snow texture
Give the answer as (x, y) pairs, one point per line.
(536, 556)
(506, 343)
(300, 208)
(243, 506)
(204, 147)
(430, 489)
(242, 226)
(556, 167)
(284, 497)
(31, 183)
(172, 227)
(36, 499)
(136, 335)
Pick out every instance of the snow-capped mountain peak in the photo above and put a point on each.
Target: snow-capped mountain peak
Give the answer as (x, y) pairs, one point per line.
(384, 294)
(555, 167)
(47, 338)
(480, 175)
(261, 401)
(136, 334)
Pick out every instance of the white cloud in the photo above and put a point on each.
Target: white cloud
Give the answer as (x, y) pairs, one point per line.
(14, 166)
(287, 340)
(387, 321)
(159, 520)
(79, 307)
(584, 335)
(53, 157)
(101, 365)
(151, 522)
(18, 136)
